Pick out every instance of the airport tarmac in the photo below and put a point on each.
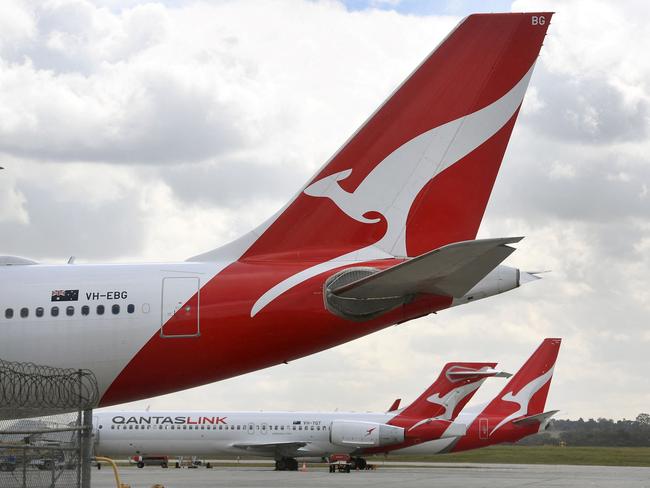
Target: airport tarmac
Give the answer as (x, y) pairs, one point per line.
(404, 476)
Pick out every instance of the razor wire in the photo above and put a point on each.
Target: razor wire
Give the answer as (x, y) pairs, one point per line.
(27, 389)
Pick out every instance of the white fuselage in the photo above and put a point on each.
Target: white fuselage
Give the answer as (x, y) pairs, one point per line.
(103, 342)
(209, 434)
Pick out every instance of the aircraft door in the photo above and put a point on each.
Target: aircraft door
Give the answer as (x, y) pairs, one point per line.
(483, 428)
(180, 307)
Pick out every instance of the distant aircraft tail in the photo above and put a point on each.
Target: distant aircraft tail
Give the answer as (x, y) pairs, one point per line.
(418, 173)
(523, 399)
(447, 395)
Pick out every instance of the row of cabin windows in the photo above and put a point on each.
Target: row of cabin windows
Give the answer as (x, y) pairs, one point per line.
(213, 427)
(69, 311)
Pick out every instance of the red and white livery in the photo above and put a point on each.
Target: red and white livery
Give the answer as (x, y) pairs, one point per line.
(438, 421)
(383, 233)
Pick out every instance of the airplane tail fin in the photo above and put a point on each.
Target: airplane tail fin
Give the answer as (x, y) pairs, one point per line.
(523, 399)
(418, 173)
(448, 394)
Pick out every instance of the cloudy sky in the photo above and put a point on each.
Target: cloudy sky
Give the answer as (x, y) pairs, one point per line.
(147, 131)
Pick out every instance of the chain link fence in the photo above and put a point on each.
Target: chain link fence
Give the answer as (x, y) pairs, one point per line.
(45, 426)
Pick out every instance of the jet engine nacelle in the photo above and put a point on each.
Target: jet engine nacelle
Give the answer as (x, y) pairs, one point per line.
(365, 434)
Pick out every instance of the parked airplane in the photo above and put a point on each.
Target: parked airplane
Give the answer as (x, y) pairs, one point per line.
(283, 435)
(382, 234)
(437, 422)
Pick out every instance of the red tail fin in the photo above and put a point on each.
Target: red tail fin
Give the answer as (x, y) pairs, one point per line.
(446, 397)
(525, 394)
(417, 175)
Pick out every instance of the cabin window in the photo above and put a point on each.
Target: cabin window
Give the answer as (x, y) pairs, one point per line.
(282, 428)
(9, 313)
(112, 427)
(130, 308)
(115, 309)
(85, 310)
(69, 311)
(54, 311)
(39, 311)
(24, 312)
(100, 309)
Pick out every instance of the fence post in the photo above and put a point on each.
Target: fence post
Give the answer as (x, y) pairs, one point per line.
(80, 451)
(86, 438)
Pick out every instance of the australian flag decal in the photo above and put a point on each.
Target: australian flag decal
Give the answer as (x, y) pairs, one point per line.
(65, 295)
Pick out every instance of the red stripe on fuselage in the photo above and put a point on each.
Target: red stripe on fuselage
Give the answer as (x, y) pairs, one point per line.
(232, 342)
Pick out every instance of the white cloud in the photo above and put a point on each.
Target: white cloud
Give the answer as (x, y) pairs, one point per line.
(12, 201)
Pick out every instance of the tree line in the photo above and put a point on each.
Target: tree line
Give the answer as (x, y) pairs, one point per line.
(600, 432)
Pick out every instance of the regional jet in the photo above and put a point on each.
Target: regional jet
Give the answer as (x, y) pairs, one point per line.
(385, 232)
(438, 421)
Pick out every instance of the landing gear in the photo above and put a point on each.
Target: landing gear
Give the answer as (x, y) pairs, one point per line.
(140, 464)
(163, 465)
(358, 463)
(286, 464)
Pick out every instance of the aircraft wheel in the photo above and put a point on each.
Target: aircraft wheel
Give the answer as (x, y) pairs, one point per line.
(281, 465)
(140, 464)
(208, 465)
(292, 464)
(361, 463)
(163, 465)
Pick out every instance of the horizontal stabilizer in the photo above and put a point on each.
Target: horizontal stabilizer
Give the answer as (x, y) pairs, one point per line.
(465, 373)
(451, 270)
(540, 418)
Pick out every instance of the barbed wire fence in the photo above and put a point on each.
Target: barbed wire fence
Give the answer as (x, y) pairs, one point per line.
(45, 425)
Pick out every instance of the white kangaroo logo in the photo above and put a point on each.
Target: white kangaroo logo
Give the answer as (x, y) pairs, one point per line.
(392, 186)
(449, 401)
(523, 397)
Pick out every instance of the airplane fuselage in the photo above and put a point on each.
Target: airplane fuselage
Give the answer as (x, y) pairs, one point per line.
(145, 330)
(296, 434)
